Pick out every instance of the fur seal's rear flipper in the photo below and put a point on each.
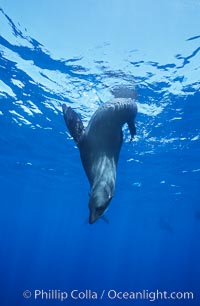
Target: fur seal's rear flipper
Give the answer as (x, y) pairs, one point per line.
(73, 122)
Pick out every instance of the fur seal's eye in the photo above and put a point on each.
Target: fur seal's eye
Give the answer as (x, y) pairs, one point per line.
(100, 210)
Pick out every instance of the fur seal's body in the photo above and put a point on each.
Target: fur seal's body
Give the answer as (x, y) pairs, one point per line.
(100, 145)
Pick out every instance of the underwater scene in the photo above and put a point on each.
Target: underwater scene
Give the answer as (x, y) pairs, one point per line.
(143, 248)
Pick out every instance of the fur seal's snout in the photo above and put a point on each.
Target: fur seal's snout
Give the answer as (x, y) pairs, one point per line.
(98, 206)
(93, 217)
(99, 145)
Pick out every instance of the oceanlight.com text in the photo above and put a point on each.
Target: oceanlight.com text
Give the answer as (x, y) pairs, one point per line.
(112, 294)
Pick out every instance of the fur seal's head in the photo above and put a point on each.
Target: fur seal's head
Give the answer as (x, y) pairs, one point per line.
(98, 204)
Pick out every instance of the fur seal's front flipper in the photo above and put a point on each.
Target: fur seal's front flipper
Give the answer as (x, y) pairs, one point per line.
(73, 122)
(132, 129)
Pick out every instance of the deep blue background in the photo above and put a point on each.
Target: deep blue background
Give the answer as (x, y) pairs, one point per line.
(152, 239)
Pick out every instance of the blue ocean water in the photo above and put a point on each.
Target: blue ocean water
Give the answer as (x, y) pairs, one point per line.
(152, 239)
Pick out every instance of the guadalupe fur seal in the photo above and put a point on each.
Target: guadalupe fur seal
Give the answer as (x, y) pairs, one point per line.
(99, 145)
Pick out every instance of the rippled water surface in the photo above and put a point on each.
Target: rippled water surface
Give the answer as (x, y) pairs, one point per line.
(152, 239)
